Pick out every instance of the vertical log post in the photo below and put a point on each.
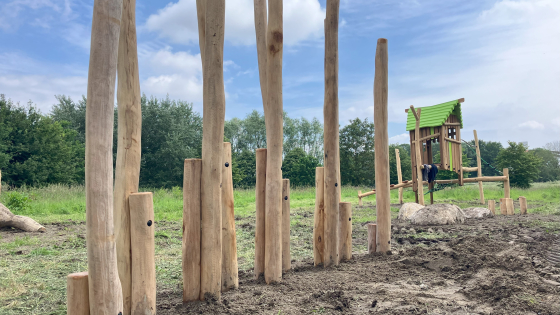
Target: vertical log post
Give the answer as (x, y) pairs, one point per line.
(274, 140)
(492, 206)
(523, 205)
(212, 146)
(331, 138)
(506, 183)
(479, 166)
(230, 276)
(372, 235)
(142, 232)
(191, 230)
(345, 235)
(286, 258)
(319, 217)
(260, 212)
(503, 206)
(360, 198)
(380, 117)
(127, 169)
(77, 300)
(105, 291)
(418, 148)
(399, 174)
(509, 206)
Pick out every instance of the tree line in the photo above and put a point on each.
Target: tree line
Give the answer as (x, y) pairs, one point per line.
(38, 149)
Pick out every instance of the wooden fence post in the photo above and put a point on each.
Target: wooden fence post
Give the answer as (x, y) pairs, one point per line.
(509, 206)
(503, 206)
(506, 183)
(191, 230)
(286, 258)
(142, 232)
(492, 206)
(212, 146)
(372, 235)
(399, 174)
(105, 291)
(382, 183)
(77, 292)
(479, 166)
(319, 217)
(260, 212)
(345, 235)
(230, 276)
(523, 205)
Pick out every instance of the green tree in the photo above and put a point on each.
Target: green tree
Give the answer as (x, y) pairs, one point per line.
(299, 168)
(244, 169)
(523, 165)
(550, 168)
(406, 168)
(356, 153)
(488, 152)
(74, 114)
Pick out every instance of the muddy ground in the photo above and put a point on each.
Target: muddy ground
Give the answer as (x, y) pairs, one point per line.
(485, 266)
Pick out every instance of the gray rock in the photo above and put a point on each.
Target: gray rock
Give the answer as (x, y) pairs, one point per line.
(438, 214)
(430, 230)
(477, 212)
(408, 209)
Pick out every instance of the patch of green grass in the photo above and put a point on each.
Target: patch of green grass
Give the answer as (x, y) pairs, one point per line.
(19, 242)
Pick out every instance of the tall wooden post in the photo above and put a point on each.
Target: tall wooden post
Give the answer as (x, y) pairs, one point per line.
(77, 294)
(127, 170)
(345, 235)
(506, 183)
(522, 205)
(212, 142)
(380, 118)
(286, 257)
(331, 138)
(105, 291)
(191, 230)
(260, 212)
(319, 217)
(143, 254)
(399, 174)
(261, 26)
(418, 150)
(479, 165)
(230, 278)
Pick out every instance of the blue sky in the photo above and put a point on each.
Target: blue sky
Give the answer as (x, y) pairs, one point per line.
(503, 57)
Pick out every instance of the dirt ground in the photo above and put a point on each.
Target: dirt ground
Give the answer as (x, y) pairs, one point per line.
(485, 266)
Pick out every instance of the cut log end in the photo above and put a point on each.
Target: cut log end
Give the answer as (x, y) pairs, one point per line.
(7, 218)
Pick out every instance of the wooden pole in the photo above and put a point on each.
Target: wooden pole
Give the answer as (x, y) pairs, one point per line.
(509, 206)
(212, 143)
(506, 183)
(77, 301)
(345, 235)
(201, 17)
(331, 138)
(143, 253)
(399, 174)
(286, 258)
(360, 198)
(522, 205)
(503, 206)
(191, 230)
(319, 217)
(380, 117)
(230, 277)
(260, 212)
(274, 140)
(261, 31)
(479, 168)
(418, 147)
(127, 169)
(492, 206)
(105, 291)
(372, 235)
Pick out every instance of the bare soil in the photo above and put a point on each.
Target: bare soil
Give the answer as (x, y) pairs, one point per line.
(486, 266)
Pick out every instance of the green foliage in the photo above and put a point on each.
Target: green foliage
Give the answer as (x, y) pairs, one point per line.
(550, 168)
(244, 169)
(246, 134)
(304, 134)
(16, 201)
(489, 151)
(299, 168)
(71, 114)
(523, 165)
(406, 168)
(357, 157)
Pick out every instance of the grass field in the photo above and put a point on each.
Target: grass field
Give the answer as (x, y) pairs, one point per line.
(33, 266)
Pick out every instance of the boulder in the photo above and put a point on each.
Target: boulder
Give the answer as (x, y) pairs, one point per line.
(408, 209)
(438, 214)
(477, 212)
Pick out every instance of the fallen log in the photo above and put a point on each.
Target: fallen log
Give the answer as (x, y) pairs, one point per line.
(7, 218)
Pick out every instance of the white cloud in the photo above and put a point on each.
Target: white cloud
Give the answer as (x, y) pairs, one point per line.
(532, 125)
(303, 20)
(402, 138)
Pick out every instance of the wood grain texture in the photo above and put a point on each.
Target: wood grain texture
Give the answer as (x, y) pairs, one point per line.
(261, 25)
(201, 18)
(331, 137)
(191, 229)
(380, 118)
(418, 148)
(286, 257)
(319, 216)
(273, 111)
(506, 183)
(105, 292)
(345, 235)
(77, 294)
(212, 146)
(230, 277)
(509, 206)
(7, 218)
(142, 230)
(127, 169)
(372, 235)
(503, 206)
(399, 174)
(522, 205)
(492, 206)
(260, 215)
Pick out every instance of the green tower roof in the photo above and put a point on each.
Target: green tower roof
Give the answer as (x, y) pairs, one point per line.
(435, 115)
